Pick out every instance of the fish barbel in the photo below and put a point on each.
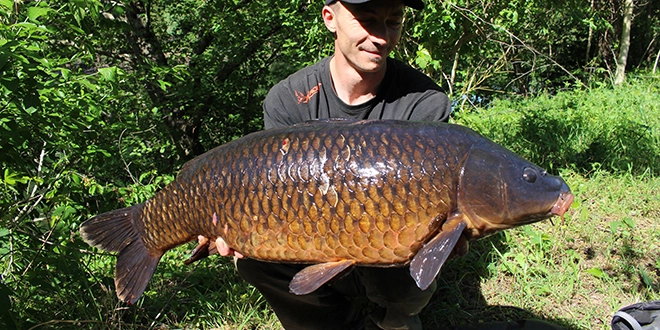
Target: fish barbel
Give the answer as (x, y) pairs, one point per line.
(334, 194)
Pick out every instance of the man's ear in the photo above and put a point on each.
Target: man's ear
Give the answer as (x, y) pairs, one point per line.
(329, 18)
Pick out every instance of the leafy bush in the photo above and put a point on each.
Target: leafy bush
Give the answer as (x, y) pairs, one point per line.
(615, 130)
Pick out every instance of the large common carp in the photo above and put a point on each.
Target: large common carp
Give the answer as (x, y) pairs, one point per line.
(334, 194)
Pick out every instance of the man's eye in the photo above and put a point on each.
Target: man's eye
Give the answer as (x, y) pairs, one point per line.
(394, 24)
(365, 21)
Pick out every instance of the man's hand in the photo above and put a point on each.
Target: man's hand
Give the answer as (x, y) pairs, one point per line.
(222, 248)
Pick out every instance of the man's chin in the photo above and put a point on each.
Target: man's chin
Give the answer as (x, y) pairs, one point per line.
(373, 65)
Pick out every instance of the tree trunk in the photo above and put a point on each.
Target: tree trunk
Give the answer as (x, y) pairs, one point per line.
(591, 32)
(624, 43)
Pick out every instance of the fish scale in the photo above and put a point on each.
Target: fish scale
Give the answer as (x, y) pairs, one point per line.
(335, 194)
(362, 200)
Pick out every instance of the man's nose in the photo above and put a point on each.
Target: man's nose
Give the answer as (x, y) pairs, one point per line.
(380, 34)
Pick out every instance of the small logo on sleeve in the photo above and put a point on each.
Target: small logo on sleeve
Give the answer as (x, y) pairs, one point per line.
(304, 98)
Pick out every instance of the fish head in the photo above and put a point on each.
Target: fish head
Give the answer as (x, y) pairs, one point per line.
(498, 189)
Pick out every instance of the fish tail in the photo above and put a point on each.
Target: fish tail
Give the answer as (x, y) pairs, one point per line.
(115, 231)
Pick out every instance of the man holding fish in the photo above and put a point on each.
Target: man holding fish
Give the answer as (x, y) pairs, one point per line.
(332, 196)
(360, 81)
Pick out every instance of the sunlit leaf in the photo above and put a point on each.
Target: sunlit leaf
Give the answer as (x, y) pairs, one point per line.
(597, 273)
(35, 12)
(11, 178)
(629, 222)
(8, 4)
(109, 74)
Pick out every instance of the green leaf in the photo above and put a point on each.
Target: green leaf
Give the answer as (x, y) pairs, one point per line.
(109, 74)
(163, 84)
(35, 12)
(423, 58)
(646, 279)
(584, 214)
(12, 178)
(544, 290)
(614, 226)
(62, 211)
(4, 58)
(9, 4)
(75, 177)
(597, 273)
(64, 73)
(629, 222)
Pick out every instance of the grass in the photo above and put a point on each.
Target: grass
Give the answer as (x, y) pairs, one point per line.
(577, 274)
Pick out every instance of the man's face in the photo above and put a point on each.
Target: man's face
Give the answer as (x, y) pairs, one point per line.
(366, 33)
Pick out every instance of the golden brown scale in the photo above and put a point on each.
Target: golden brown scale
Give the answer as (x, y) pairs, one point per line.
(371, 196)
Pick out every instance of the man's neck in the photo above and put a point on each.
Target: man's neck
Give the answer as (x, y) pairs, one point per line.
(351, 86)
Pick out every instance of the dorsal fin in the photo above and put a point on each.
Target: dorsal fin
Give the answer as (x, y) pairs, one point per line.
(330, 120)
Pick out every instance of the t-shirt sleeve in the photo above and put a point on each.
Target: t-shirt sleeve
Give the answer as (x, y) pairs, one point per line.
(279, 111)
(433, 106)
(416, 92)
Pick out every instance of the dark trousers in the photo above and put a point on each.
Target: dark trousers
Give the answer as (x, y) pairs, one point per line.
(337, 305)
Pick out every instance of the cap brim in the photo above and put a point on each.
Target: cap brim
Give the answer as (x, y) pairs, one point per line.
(415, 4)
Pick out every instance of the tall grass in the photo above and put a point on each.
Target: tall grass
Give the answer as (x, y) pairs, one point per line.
(603, 141)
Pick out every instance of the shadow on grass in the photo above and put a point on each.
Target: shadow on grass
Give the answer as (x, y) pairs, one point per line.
(212, 294)
(459, 300)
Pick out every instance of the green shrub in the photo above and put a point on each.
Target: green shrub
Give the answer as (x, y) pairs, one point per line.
(615, 130)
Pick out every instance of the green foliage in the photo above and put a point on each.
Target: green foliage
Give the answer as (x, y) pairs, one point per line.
(615, 130)
(481, 50)
(59, 148)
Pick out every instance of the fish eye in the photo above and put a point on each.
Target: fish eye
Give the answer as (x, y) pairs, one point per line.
(529, 174)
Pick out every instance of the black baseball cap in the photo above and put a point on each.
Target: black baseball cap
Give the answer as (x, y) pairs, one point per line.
(415, 4)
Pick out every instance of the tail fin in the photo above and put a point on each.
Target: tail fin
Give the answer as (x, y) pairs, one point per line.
(114, 231)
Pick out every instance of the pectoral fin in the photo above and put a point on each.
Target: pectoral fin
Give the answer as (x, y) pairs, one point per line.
(200, 252)
(426, 264)
(312, 277)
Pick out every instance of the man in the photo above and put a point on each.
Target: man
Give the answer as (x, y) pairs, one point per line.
(359, 81)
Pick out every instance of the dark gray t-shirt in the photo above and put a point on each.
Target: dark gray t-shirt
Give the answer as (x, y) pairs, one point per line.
(404, 94)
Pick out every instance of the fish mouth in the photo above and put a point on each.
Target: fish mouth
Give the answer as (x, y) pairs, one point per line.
(562, 205)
